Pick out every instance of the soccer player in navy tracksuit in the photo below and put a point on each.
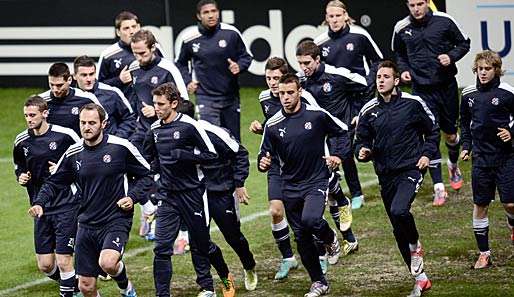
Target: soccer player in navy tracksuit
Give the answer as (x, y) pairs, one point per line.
(487, 112)
(122, 119)
(148, 72)
(347, 45)
(331, 87)
(399, 133)
(224, 181)
(305, 171)
(99, 166)
(427, 45)
(270, 103)
(37, 150)
(64, 102)
(176, 145)
(114, 61)
(218, 54)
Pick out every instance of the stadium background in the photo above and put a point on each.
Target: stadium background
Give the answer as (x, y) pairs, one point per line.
(376, 270)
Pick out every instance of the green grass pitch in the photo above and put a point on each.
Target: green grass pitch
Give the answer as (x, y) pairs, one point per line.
(375, 270)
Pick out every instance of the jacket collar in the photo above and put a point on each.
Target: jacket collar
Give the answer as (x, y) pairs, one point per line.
(154, 62)
(319, 71)
(208, 31)
(124, 46)
(393, 97)
(424, 20)
(337, 34)
(494, 83)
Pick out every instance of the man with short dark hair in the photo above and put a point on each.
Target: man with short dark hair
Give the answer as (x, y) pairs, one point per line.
(114, 60)
(36, 151)
(122, 120)
(399, 133)
(427, 44)
(334, 88)
(175, 145)
(218, 54)
(487, 113)
(269, 100)
(100, 166)
(64, 102)
(304, 171)
(149, 71)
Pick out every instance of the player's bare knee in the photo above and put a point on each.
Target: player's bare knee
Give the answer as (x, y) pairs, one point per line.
(276, 213)
(87, 286)
(509, 207)
(109, 264)
(45, 267)
(45, 264)
(480, 211)
(64, 262)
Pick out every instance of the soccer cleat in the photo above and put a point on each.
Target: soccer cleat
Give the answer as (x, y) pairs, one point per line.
(206, 293)
(250, 279)
(455, 177)
(345, 217)
(129, 293)
(440, 197)
(416, 261)
(420, 287)
(323, 262)
(333, 251)
(285, 266)
(484, 261)
(350, 247)
(317, 289)
(150, 237)
(105, 277)
(227, 286)
(357, 202)
(179, 248)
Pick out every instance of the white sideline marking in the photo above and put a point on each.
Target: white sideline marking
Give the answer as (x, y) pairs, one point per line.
(138, 251)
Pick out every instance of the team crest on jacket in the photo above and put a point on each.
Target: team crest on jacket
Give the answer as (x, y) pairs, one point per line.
(349, 47)
(327, 87)
(471, 101)
(176, 135)
(222, 43)
(78, 164)
(196, 47)
(107, 158)
(325, 51)
(495, 101)
(154, 80)
(308, 126)
(52, 146)
(25, 151)
(155, 137)
(266, 108)
(75, 110)
(117, 63)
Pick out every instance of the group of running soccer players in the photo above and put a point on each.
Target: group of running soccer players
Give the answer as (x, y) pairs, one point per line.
(140, 143)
